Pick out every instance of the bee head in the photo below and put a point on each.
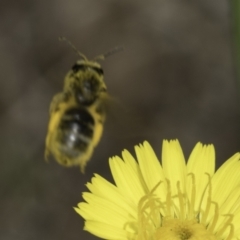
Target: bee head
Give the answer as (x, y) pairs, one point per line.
(83, 65)
(85, 79)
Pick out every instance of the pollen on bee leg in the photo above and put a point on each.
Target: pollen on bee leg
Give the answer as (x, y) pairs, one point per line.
(82, 167)
(46, 154)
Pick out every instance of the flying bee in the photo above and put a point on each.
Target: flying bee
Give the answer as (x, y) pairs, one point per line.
(77, 113)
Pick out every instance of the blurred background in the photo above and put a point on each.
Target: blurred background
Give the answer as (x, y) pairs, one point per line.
(175, 79)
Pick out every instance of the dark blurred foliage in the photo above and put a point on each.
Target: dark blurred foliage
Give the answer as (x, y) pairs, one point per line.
(175, 79)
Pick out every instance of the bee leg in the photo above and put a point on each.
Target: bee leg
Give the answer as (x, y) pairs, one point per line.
(83, 164)
(47, 145)
(63, 161)
(98, 132)
(83, 160)
(46, 154)
(58, 98)
(82, 168)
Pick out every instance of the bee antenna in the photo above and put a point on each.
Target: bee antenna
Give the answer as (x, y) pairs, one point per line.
(63, 39)
(109, 53)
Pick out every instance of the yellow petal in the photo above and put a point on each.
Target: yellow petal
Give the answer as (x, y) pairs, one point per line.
(151, 168)
(174, 165)
(102, 188)
(125, 181)
(99, 209)
(105, 231)
(223, 182)
(201, 161)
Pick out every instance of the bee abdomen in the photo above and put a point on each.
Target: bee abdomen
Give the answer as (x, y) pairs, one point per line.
(76, 132)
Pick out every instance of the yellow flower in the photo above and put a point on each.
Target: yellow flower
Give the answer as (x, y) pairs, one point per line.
(168, 201)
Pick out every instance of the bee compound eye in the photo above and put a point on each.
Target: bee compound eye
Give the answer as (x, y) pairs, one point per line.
(78, 67)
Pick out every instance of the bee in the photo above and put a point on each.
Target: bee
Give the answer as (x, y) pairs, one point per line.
(77, 114)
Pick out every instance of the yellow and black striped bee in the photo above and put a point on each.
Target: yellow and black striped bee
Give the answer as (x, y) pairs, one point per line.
(77, 114)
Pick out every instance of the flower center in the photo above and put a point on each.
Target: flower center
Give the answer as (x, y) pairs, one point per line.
(174, 217)
(175, 229)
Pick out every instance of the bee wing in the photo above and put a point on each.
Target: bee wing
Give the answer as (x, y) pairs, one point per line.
(118, 116)
(125, 121)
